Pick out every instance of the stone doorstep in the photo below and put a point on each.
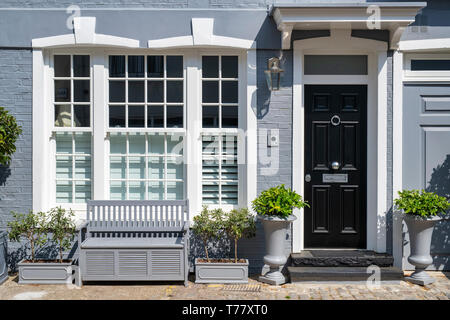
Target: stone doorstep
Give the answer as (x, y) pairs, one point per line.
(340, 258)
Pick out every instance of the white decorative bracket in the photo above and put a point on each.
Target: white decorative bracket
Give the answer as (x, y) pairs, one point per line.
(84, 35)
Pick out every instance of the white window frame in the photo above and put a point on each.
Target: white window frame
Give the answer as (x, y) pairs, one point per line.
(44, 162)
(424, 75)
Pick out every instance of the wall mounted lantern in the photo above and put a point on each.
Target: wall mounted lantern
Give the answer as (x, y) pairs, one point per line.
(273, 74)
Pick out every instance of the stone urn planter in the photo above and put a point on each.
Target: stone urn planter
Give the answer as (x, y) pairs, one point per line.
(3, 254)
(275, 230)
(420, 233)
(221, 272)
(45, 272)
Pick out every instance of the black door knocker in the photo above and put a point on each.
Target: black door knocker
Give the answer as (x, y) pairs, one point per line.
(335, 120)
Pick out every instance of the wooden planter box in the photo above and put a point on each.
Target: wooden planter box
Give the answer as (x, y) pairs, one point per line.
(45, 272)
(221, 272)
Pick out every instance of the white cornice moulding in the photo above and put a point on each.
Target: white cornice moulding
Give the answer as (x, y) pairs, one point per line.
(394, 17)
(84, 35)
(425, 44)
(202, 37)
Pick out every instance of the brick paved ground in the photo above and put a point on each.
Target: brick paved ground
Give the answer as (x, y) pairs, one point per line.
(440, 290)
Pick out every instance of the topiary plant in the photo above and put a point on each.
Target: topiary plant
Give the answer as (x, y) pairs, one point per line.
(239, 223)
(9, 132)
(421, 203)
(62, 227)
(32, 226)
(278, 201)
(207, 225)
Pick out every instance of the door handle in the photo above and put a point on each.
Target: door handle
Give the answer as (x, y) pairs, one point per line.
(335, 165)
(308, 178)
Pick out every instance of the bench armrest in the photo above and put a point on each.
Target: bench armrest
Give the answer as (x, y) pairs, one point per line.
(186, 226)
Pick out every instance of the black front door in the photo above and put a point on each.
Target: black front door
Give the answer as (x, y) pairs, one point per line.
(335, 166)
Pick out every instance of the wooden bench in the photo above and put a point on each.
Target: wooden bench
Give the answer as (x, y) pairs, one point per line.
(134, 241)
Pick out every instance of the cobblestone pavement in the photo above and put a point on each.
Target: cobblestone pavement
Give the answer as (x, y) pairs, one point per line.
(439, 290)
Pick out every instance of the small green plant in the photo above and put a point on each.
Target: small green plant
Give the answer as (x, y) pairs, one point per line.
(31, 226)
(239, 223)
(62, 227)
(278, 201)
(421, 203)
(207, 225)
(9, 132)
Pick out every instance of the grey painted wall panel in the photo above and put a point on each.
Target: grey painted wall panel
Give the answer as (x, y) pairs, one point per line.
(426, 154)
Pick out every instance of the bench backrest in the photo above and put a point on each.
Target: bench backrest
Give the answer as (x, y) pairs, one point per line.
(111, 216)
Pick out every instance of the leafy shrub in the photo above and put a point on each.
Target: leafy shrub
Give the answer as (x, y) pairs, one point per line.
(278, 201)
(62, 227)
(421, 203)
(32, 226)
(207, 225)
(239, 223)
(9, 132)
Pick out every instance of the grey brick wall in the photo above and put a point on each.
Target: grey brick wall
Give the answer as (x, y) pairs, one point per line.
(16, 96)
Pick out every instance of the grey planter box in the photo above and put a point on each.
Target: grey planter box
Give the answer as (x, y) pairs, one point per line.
(45, 273)
(3, 253)
(216, 272)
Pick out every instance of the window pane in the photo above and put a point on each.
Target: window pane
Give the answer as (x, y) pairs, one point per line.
(210, 145)
(174, 190)
(136, 66)
(155, 66)
(156, 143)
(210, 91)
(117, 167)
(174, 66)
(210, 170)
(229, 67)
(81, 66)
(83, 143)
(430, 65)
(62, 66)
(155, 116)
(117, 66)
(117, 91)
(230, 192)
(175, 144)
(82, 191)
(63, 143)
(229, 170)
(210, 192)
(155, 91)
(174, 116)
(116, 116)
(63, 191)
(136, 143)
(136, 91)
(118, 190)
(174, 91)
(210, 116)
(62, 116)
(136, 191)
(156, 190)
(229, 117)
(81, 116)
(62, 90)
(82, 168)
(155, 168)
(81, 90)
(210, 66)
(118, 144)
(63, 167)
(229, 91)
(175, 168)
(136, 168)
(136, 116)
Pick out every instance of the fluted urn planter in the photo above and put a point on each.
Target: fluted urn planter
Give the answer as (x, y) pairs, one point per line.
(275, 230)
(420, 233)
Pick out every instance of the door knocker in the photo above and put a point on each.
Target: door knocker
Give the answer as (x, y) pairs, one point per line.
(335, 120)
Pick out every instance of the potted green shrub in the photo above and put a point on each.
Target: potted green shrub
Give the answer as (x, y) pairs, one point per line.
(35, 228)
(274, 208)
(420, 210)
(209, 225)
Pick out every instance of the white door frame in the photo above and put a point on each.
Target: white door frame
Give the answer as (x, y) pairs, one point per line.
(341, 42)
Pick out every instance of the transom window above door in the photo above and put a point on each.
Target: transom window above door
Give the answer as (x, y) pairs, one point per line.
(146, 91)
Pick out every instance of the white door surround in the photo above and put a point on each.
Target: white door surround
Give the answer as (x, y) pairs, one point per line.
(341, 42)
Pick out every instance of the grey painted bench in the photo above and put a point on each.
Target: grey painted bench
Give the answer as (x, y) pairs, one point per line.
(134, 241)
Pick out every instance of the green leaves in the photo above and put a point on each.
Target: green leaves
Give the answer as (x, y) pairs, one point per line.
(9, 132)
(278, 201)
(35, 227)
(421, 203)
